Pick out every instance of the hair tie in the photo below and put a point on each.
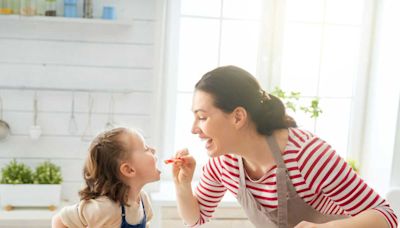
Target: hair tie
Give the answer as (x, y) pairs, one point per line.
(264, 96)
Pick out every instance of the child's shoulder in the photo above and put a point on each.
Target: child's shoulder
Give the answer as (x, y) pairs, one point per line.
(147, 204)
(100, 206)
(145, 197)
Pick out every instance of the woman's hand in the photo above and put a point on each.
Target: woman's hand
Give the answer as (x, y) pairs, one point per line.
(183, 168)
(305, 224)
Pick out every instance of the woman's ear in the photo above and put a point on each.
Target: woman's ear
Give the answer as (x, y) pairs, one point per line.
(239, 117)
(127, 170)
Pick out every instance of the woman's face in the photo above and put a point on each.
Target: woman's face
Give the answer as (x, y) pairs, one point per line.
(212, 125)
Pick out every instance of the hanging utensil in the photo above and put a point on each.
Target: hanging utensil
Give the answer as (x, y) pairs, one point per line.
(35, 131)
(73, 126)
(87, 133)
(110, 123)
(4, 126)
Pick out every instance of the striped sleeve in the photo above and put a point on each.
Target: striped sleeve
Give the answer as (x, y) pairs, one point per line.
(328, 175)
(210, 190)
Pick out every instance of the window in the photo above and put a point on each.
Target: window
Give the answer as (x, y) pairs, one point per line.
(321, 58)
(310, 46)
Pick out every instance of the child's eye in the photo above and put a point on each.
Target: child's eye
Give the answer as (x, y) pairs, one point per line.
(202, 118)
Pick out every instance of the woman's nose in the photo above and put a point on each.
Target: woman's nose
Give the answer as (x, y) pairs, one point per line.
(195, 129)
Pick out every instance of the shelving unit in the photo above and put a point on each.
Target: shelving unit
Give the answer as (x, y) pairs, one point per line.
(66, 20)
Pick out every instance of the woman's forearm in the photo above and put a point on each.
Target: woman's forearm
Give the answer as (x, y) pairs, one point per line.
(366, 219)
(188, 207)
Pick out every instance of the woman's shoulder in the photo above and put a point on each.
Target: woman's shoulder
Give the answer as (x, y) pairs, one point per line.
(298, 136)
(226, 161)
(302, 143)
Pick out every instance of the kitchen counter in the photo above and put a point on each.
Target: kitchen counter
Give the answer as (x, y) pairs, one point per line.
(41, 218)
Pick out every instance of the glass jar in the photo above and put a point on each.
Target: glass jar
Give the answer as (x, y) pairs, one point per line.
(28, 7)
(51, 8)
(40, 7)
(6, 7)
(88, 8)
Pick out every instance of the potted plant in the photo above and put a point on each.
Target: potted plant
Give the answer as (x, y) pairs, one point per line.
(290, 99)
(21, 187)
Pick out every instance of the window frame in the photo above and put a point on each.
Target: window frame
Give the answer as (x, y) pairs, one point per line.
(268, 70)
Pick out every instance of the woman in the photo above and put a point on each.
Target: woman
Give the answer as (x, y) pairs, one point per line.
(282, 176)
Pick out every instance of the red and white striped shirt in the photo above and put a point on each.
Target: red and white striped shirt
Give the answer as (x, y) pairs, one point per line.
(320, 176)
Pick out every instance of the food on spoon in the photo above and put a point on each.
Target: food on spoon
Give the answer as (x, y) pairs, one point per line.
(172, 160)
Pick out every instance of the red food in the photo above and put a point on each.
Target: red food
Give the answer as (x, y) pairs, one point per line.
(169, 161)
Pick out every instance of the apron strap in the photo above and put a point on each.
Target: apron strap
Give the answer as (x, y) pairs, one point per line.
(242, 181)
(280, 182)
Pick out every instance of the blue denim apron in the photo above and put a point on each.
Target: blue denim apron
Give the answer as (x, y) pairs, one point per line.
(125, 224)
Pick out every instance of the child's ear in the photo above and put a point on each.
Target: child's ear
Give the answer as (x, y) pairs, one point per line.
(127, 170)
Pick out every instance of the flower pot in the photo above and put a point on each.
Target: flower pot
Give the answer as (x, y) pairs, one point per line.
(30, 195)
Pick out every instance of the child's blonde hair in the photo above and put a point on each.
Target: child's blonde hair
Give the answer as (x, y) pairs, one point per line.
(101, 170)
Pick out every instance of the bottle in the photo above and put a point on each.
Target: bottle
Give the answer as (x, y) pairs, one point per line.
(51, 8)
(88, 8)
(70, 8)
(28, 7)
(16, 6)
(109, 10)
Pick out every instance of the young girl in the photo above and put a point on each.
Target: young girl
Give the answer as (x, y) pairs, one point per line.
(118, 165)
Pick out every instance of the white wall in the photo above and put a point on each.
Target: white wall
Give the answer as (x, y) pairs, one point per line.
(87, 56)
(395, 177)
(383, 98)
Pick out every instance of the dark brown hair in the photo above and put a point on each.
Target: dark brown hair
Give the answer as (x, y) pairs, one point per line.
(233, 87)
(101, 171)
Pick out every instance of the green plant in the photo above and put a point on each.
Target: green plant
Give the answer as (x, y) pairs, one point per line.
(291, 99)
(353, 164)
(16, 173)
(47, 173)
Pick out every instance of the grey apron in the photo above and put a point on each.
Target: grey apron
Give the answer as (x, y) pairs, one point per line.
(291, 207)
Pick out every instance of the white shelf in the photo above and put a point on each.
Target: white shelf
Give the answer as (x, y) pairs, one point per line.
(66, 20)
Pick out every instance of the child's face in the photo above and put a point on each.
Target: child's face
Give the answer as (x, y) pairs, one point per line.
(144, 160)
